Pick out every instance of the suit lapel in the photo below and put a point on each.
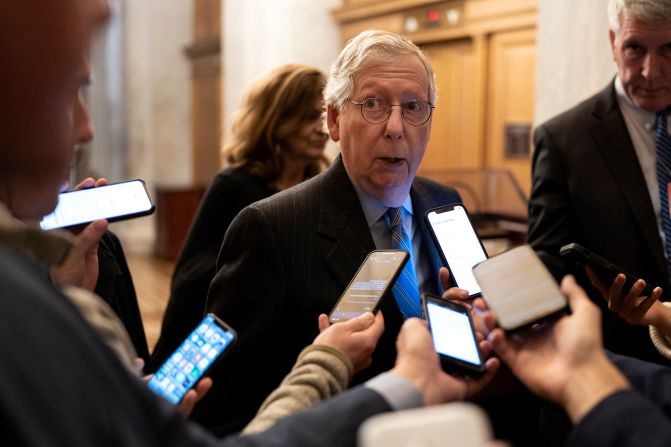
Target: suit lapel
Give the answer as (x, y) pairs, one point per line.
(613, 141)
(342, 219)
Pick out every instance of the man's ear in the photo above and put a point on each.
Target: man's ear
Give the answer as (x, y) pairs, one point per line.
(611, 37)
(333, 122)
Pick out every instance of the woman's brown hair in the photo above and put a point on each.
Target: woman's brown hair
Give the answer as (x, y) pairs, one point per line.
(273, 108)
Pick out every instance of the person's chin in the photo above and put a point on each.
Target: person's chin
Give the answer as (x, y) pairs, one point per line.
(390, 190)
(652, 101)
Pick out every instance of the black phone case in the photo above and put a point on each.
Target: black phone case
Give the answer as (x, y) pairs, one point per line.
(390, 284)
(578, 257)
(449, 364)
(439, 210)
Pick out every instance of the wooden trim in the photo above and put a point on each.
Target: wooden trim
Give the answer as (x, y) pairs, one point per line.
(358, 12)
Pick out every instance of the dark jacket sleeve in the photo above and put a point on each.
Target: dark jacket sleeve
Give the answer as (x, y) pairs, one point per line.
(333, 423)
(248, 292)
(115, 286)
(650, 379)
(623, 419)
(229, 192)
(550, 213)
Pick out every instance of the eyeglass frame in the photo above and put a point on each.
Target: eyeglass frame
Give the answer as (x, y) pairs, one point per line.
(360, 104)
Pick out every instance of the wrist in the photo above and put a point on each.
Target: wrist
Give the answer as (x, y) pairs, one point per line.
(589, 385)
(663, 320)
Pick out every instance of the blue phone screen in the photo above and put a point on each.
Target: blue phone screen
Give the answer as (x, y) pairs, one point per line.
(190, 361)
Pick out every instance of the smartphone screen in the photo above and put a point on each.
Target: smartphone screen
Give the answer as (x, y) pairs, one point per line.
(192, 359)
(113, 202)
(453, 334)
(518, 288)
(459, 244)
(371, 282)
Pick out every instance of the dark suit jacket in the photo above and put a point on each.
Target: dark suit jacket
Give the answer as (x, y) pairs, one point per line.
(230, 191)
(62, 386)
(284, 261)
(588, 188)
(115, 286)
(630, 418)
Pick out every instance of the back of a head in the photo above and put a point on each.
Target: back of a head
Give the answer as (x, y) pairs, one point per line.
(41, 47)
(644, 10)
(369, 45)
(273, 107)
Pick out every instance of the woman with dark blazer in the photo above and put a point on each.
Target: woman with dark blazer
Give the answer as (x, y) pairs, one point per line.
(277, 141)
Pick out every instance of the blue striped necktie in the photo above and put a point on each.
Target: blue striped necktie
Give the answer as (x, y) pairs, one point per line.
(663, 143)
(405, 290)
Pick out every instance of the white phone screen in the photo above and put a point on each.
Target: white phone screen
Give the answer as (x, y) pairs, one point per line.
(105, 202)
(460, 245)
(452, 333)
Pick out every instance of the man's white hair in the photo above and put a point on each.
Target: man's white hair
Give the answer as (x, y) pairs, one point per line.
(368, 45)
(643, 10)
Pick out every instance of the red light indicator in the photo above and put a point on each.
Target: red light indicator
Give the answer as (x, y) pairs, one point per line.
(433, 15)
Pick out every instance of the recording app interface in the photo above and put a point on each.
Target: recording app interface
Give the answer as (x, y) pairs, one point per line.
(106, 202)
(452, 334)
(460, 245)
(369, 285)
(183, 369)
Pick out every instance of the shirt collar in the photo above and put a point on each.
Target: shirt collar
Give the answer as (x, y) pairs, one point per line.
(374, 210)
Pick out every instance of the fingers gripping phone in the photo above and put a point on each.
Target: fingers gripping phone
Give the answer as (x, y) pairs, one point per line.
(195, 356)
(578, 256)
(453, 336)
(114, 202)
(458, 243)
(518, 289)
(374, 279)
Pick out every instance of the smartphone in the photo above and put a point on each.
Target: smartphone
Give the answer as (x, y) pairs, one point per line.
(519, 289)
(194, 357)
(113, 202)
(374, 279)
(453, 336)
(459, 244)
(579, 257)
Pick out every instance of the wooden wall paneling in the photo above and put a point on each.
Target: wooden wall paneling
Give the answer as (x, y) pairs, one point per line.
(455, 125)
(510, 98)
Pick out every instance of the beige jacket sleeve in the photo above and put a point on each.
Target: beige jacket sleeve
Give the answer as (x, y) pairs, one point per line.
(661, 340)
(319, 373)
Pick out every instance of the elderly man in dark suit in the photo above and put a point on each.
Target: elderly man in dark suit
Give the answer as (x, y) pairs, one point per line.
(61, 384)
(287, 259)
(598, 176)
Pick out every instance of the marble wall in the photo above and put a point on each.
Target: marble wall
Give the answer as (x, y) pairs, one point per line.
(574, 58)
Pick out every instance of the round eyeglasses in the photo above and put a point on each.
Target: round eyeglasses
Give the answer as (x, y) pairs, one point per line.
(376, 111)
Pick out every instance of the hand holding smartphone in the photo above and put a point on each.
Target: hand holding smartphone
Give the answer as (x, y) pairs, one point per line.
(195, 356)
(518, 289)
(579, 257)
(453, 336)
(374, 279)
(459, 245)
(116, 201)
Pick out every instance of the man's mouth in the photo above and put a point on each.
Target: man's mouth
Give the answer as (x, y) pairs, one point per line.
(392, 160)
